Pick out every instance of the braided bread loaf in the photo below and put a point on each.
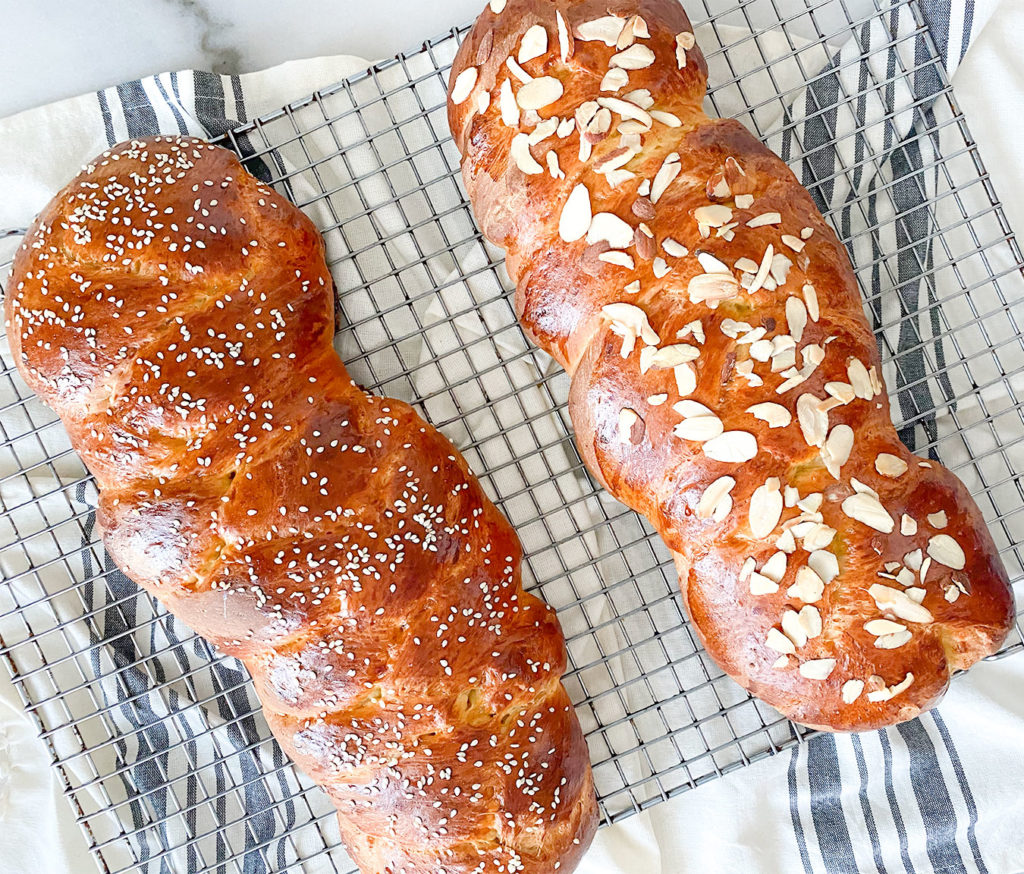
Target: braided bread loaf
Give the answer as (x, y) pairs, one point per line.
(725, 383)
(178, 315)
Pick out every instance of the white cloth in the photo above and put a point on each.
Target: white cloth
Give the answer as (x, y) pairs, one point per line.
(744, 821)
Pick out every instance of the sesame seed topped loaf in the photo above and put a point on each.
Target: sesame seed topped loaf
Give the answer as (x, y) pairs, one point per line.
(178, 315)
(725, 383)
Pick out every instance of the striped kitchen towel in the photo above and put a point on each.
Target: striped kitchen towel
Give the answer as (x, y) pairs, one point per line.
(938, 795)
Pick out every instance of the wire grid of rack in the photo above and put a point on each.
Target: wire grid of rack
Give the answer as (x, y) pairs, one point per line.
(425, 315)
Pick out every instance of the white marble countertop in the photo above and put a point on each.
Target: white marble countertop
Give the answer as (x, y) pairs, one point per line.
(95, 43)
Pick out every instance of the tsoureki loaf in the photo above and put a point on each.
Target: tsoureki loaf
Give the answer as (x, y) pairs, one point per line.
(178, 315)
(725, 383)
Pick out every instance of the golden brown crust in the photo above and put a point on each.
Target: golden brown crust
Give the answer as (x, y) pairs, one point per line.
(178, 316)
(868, 646)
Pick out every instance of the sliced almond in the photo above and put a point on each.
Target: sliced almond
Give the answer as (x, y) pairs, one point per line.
(777, 641)
(761, 585)
(539, 92)
(575, 219)
(786, 542)
(813, 421)
(732, 446)
(893, 641)
(732, 328)
(667, 172)
(888, 692)
(507, 104)
(620, 259)
(794, 628)
(811, 299)
(534, 43)
(890, 465)
(635, 27)
(837, 448)
(677, 353)
(852, 690)
(841, 391)
(686, 379)
(630, 322)
(714, 215)
(913, 559)
(517, 70)
(627, 110)
(820, 536)
(713, 495)
(746, 265)
(908, 527)
(710, 264)
(763, 270)
(615, 79)
(668, 119)
(776, 415)
(811, 503)
(674, 249)
(628, 419)
(717, 187)
(780, 268)
(938, 520)
(945, 550)
(761, 350)
(684, 42)
(699, 428)
(765, 218)
(868, 510)
(878, 627)
(642, 208)
(796, 317)
(712, 288)
(876, 381)
(564, 44)
(464, 84)
(646, 354)
(520, 152)
(551, 159)
(660, 268)
(824, 564)
(690, 409)
(899, 603)
(605, 29)
(859, 379)
(862, 488)
(775, 568)
(636, 57)
(810, 618)
(817, 669)
(794, 243)
(609, 228)
(657, 400)
(765, 508)
(808, 586)
(543, 130)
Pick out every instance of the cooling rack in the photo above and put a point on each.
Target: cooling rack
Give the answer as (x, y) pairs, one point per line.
(159, 741)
